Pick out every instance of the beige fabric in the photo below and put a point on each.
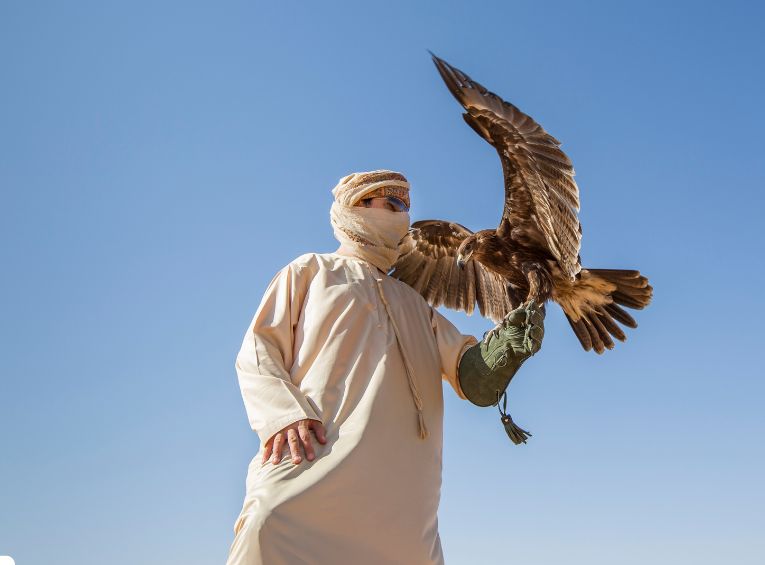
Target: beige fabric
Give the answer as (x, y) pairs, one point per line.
(321, 345)
(372, 233)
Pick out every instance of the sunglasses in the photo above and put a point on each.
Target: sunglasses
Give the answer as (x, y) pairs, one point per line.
(397, 204)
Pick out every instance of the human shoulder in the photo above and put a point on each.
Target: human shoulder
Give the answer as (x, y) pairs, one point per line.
(310, 261)
(298, 273)
(307, 265)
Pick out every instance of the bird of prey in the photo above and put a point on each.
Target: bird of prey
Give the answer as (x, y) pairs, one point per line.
(534, 253)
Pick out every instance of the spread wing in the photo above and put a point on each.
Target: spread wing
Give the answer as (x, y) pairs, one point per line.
(428, 263)
(541, 197)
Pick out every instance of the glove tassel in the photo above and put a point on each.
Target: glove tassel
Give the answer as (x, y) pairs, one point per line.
(516, 434)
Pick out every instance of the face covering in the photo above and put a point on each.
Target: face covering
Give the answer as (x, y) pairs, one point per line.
(372, 233)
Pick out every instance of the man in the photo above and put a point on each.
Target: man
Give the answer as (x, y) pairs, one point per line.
(341, 368)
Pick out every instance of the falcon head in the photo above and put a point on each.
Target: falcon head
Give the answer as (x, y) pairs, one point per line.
(465, 250)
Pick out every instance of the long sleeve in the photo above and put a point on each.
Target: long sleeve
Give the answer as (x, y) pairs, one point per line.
(263, 364)
(451, 346)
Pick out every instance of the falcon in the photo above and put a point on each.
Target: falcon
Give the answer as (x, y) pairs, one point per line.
(534, 253)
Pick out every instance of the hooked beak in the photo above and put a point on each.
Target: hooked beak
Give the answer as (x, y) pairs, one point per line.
(460, 262)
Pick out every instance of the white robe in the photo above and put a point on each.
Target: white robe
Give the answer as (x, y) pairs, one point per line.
(321, 346)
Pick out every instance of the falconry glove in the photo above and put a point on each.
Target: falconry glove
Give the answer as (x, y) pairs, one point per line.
(485, 369)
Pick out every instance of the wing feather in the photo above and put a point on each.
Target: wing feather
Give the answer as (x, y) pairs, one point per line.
(540, 192)
(428, 263)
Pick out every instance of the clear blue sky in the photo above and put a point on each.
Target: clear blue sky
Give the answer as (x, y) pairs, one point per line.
(160, 161)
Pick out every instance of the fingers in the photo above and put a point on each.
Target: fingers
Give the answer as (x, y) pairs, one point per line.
(294, 435)
(534, 335)
(515, 318)
(536, 329)
(278, 444)
(267, 450)
(536, 317)
(292, 440)
(318, 429)
(304, 433)
(536, 332)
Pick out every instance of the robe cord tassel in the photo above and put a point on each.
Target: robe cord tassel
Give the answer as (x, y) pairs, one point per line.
(407, 366)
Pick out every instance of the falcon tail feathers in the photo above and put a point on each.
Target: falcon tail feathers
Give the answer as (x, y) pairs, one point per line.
(594, 303)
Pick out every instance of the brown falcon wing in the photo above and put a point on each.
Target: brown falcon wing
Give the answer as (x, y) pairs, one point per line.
(428, 263)
(541, 197)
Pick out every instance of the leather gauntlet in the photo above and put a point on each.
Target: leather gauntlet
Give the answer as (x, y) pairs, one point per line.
(485, 369)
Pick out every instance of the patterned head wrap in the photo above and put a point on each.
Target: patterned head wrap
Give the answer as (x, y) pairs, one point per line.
(358, 186)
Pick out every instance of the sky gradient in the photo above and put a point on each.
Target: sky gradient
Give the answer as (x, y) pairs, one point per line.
(160, 161)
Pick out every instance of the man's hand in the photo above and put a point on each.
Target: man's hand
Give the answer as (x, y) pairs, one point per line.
(294, 434)
(486, 368)
(523, 329)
